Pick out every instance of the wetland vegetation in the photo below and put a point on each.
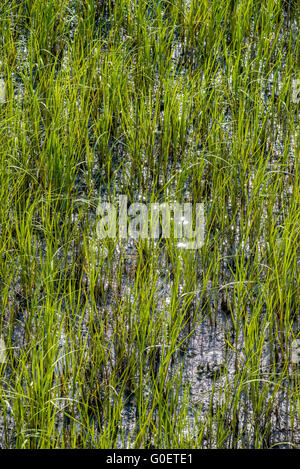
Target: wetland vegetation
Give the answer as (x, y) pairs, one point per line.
(116, 343)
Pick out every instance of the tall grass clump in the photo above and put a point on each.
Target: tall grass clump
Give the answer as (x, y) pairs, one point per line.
(124, 343)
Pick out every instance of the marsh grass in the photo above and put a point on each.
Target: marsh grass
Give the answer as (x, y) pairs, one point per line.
(159, 101)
